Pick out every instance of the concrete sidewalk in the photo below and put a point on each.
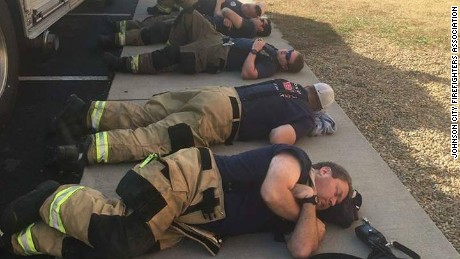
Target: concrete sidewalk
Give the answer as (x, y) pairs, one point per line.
(387, 203)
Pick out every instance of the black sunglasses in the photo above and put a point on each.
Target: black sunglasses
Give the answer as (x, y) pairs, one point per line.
(288, 55)
(258, 10)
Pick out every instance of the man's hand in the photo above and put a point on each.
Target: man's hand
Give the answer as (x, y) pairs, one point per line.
(228, 23)
(301, 191)
(220, 2)
(321, 229)
(258, 44)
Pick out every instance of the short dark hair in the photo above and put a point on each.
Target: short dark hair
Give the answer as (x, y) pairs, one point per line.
(258, 10)
(267, 29)
(297, 65)
(338, 172)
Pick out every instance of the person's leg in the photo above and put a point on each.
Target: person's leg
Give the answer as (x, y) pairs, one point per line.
(39, 238)
(190, 26)
(109, 115)
(134, 33)
(130, 145)
(205, 119)
(89, 216)
(147, 63)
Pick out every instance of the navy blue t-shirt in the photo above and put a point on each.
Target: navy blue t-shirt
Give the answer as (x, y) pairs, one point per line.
(273, 103)
(266, 60)
(207, 7)
(247, 30)
(245, 210)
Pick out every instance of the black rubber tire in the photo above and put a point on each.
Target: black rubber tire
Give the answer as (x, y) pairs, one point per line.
(8, 95)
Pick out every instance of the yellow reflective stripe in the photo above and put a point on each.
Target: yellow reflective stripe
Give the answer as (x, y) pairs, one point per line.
(123, 26)
(122, 38)
(55, 220)
(102, 147)
(96, 115)
(135, 63)
(26, 241)
(151, 157)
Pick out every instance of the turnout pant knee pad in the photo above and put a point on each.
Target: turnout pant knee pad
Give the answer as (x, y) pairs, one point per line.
(121, 236)
(157, 33)
(180, 136)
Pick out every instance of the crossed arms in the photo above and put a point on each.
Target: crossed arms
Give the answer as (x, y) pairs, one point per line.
(280, 191)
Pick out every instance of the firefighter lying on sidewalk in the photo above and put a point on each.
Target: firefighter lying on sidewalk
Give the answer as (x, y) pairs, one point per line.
(156, 29)
(278, 110)
(208, 7)
(232, 195)
(194, 46)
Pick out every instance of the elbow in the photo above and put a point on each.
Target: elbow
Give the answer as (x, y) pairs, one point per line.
(303, 251)
(269, 197)
(277, 139)
(248, 75)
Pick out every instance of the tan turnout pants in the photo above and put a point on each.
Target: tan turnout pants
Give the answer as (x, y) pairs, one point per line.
(78, 211)
(130, 132)
(201, 47)
(130, 30)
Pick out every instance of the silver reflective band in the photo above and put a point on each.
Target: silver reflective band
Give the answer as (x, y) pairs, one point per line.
(97, 114)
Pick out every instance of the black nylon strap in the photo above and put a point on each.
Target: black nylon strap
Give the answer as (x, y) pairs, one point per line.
(140, 195)
(406, 250)
(205, 158)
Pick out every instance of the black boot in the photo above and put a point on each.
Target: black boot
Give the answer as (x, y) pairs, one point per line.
(113, 25)
(115, 63)
(5, 245)
(73, 153)
(107, 41)
(24, 211)
(70, 124)
(67, 163)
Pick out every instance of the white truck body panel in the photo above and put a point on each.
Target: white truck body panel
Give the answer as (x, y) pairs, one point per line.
(39, 15)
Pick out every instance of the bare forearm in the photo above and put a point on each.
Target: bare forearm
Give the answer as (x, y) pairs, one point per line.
(284, 206)
(305, 238)
(249, 67)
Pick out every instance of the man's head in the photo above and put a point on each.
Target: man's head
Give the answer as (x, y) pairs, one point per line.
(320, 96)
(290, 60)
(263, 26)
(333, 184)
(253, 10)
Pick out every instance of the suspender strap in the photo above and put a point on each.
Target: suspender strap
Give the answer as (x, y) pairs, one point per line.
(236, 120)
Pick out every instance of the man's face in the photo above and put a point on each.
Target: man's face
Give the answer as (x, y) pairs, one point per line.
(259, 24)
(286, 57)
(249, 10)
(330, 191)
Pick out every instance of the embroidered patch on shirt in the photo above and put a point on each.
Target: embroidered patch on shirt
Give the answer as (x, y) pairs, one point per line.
(232, 3)
(287, 86)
